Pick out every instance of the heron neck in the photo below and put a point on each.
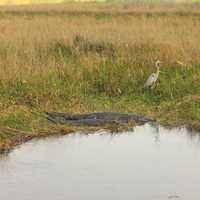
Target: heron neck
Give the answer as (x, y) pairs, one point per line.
(158, 70)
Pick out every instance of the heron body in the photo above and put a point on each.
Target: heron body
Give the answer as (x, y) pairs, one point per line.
(150, 82)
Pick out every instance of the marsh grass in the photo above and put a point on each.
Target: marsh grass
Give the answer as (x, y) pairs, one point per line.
(99, 62)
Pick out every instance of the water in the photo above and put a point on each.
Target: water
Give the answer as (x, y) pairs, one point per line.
(145, 164)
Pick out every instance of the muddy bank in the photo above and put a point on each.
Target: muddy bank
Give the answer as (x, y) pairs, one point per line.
(18, 137)
(65, 123)
(113, 121)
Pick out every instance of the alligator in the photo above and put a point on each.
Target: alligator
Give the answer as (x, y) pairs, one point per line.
(97, 118)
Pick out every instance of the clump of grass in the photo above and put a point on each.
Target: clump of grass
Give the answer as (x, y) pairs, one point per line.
(17, 120)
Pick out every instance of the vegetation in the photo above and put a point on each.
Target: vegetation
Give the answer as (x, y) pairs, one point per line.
(96, 57)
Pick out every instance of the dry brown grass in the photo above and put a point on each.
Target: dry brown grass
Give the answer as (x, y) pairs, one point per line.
(123, 7)
(173, 37)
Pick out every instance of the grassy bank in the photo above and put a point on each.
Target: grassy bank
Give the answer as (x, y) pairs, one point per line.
(96, 57)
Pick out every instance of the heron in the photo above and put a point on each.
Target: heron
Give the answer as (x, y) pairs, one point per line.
(150, 82)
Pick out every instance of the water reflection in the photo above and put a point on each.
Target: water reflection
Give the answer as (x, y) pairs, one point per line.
(147, 163)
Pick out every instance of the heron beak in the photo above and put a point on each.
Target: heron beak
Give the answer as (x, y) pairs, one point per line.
(162, 72)
(179, 62)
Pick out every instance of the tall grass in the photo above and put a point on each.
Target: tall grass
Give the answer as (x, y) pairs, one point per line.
(62, 61)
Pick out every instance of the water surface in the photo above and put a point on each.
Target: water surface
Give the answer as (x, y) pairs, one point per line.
(147, 163)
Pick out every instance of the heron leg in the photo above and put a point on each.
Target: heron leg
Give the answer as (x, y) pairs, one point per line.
(153, 86)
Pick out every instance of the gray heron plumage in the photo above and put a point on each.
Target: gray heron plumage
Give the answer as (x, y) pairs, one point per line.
(150, 82)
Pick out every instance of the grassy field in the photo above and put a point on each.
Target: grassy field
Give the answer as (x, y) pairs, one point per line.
(96, 57)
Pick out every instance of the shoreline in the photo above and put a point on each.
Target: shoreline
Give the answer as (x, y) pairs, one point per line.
(19, 137)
